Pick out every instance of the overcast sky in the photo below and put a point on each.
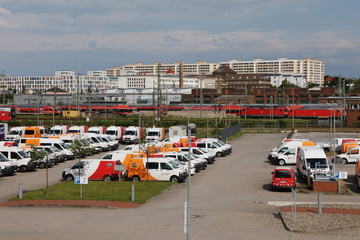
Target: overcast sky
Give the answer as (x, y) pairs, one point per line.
(38, 37)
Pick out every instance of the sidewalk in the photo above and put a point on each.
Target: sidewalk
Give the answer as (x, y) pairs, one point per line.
(70, 203)
(324, 210)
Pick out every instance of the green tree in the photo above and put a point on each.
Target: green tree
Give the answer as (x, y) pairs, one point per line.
(41, 156)
(285, 84)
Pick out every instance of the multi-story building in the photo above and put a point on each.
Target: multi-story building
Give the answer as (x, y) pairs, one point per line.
(65, 80)
(200, 67)
(311, 69)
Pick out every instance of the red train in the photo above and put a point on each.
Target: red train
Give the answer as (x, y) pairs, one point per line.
(315, 111)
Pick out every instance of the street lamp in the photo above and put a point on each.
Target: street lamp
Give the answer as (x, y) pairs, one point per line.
(190, 126)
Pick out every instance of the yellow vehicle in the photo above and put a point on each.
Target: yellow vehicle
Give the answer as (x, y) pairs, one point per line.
(357, 173)
(32, 132)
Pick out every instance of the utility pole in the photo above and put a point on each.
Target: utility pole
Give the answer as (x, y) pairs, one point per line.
(201, 98)
(159, 102)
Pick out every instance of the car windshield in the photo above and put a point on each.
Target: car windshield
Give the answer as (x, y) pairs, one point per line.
(64, 145)
(3, 158)
(202, 150)
(174, 164)
(24, 154)
(130, 132)
(111, 132)
(317, 162)
(55, 149)
(153, 134)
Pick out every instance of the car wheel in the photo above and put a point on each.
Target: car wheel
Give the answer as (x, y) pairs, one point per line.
(69, 178)
(2, 173)
(174, 179)
(344, 161)
(218, 154)
(23, 168)
(42, 165)
(107, 178)
(135, 178)
(281, 162)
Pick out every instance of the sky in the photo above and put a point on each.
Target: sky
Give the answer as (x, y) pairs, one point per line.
(39, 37)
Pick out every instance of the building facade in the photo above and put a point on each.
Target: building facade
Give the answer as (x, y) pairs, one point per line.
(311, 69)
(65, 80)
(308, 70)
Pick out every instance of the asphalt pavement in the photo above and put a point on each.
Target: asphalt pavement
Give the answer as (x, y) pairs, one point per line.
(231, 199)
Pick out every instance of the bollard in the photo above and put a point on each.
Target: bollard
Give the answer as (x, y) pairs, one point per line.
(20, 191)
(319, 204)
(132, 193)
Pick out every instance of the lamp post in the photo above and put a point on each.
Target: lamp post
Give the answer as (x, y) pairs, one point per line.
(187, 204)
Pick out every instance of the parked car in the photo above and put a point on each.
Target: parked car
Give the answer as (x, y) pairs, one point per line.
(283, 178)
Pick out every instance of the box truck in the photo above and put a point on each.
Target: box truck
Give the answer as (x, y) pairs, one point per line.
(357, 173)
(116, 132)
(78, 129)
(155, 134)
(3, 131)
(58, 130)
(132, 134)
(97, 129)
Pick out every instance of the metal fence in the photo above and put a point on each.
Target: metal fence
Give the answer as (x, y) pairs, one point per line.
(230, 131)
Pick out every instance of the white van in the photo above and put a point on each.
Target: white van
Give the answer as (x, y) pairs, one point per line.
(95, 137)
(7, 167)
(14, 133)
(288, 145)
(311, 160)
(154, 169)
(19, 157)
(287, 157)
(60, 144)
(93, 169)
(351, 156)
(210, 158)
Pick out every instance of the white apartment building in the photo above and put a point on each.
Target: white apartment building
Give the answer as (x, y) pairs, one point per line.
(311, 69)
(200, 67)
(151, 81)
(65, 80)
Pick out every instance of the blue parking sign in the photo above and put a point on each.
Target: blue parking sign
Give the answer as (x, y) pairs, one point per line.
(80, 180)
(77, 180)
(336, 174)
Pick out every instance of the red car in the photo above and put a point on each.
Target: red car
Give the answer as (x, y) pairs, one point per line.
(283, 178)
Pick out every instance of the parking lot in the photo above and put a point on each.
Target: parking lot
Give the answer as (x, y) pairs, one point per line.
(229, 200)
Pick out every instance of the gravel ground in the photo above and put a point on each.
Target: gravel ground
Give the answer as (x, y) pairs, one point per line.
(314, 222)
